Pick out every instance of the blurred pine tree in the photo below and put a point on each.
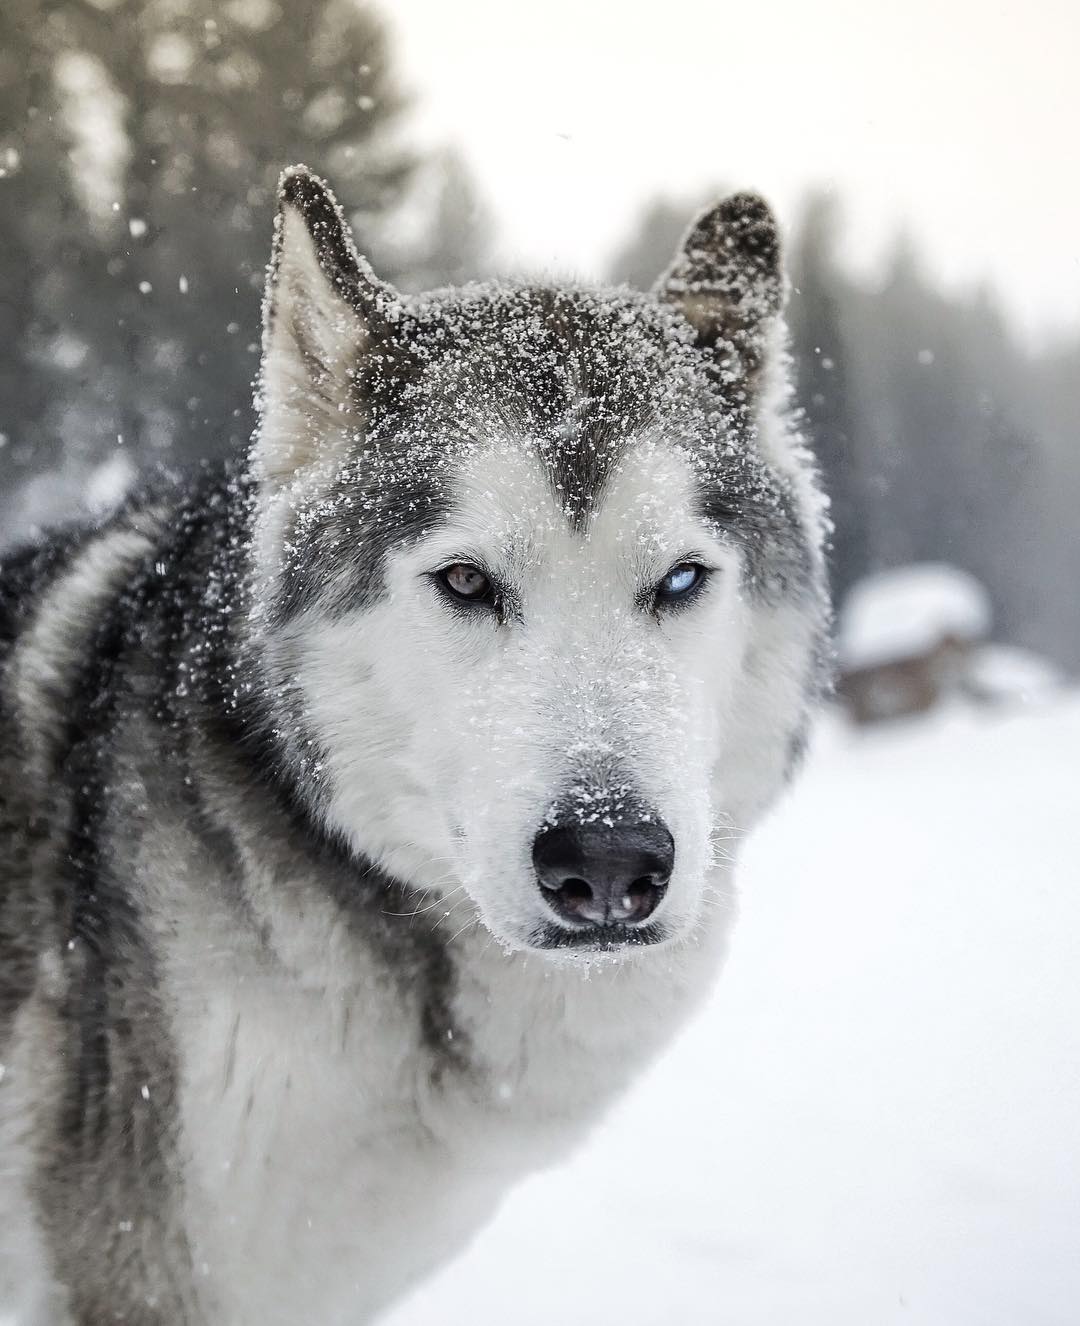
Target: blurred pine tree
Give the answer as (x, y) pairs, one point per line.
(147, 137)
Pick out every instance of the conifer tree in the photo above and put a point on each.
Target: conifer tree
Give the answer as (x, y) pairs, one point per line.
(215, 99)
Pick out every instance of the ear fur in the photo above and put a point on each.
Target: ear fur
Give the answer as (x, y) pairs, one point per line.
(727, 281)
(320, 311)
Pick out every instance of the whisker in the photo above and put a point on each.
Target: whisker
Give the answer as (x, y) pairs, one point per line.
(428, 906)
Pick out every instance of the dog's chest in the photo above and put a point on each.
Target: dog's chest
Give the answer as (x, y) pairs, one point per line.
(305, 1156)
(335, 1157)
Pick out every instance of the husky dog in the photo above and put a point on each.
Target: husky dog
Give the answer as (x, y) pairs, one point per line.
(368, 809)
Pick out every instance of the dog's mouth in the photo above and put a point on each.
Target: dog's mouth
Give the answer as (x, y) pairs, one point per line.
(609, 939)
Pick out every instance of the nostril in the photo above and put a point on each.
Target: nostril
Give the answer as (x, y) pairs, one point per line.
(640, 899)
(570, 887)
(574, 898)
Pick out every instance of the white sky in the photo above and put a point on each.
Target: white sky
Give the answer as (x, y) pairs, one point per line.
(959, 117)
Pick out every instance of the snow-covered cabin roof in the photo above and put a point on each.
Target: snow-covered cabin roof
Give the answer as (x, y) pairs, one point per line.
(906, 612)
(1010, 673)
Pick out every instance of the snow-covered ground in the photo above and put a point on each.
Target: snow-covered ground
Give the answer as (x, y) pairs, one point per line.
(877, 1118)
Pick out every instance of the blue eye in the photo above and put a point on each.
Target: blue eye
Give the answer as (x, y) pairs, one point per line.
(679, 582)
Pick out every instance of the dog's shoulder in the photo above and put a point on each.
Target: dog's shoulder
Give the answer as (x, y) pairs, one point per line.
(55, 590)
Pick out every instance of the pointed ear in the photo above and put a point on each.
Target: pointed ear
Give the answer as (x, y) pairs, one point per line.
(727, 281)
(322, 307)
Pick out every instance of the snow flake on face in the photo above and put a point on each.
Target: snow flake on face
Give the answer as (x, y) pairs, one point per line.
(575, 379)
(569, 447)
(574, 375)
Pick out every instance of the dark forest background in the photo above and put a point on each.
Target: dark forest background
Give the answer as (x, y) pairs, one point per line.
(140, 142)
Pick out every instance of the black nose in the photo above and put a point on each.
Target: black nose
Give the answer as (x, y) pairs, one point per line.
(597, 875)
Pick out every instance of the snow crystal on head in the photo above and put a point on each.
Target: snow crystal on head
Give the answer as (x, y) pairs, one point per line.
(378, 396)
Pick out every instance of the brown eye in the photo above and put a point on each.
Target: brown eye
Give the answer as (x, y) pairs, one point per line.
(465, 581)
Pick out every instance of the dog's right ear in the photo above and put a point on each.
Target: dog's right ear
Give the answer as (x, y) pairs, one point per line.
(322, 308)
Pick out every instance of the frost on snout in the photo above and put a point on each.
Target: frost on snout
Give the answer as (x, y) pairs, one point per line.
(598, 836)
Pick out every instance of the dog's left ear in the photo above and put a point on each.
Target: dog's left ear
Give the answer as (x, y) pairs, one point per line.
(323, 307)
(728, 283)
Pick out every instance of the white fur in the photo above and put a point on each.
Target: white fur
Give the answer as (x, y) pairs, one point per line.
(516, 715)
(329, 1173)
(43, 656)
(350, 1175)
(28, 1092)
(326, 1171)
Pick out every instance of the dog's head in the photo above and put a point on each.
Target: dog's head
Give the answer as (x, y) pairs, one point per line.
(540, 574)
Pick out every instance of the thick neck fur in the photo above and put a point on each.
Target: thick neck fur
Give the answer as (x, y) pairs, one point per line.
(353, 910)
(355, 1054)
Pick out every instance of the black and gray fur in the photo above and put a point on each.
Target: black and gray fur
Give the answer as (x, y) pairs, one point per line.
(156, 759)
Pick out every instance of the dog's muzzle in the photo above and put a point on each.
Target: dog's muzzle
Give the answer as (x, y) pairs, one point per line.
(603, 882)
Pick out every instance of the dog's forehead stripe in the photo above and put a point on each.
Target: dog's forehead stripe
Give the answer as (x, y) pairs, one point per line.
(566, 373)
(577, 379)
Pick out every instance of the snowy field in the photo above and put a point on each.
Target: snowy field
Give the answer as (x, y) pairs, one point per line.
(877, 1118)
